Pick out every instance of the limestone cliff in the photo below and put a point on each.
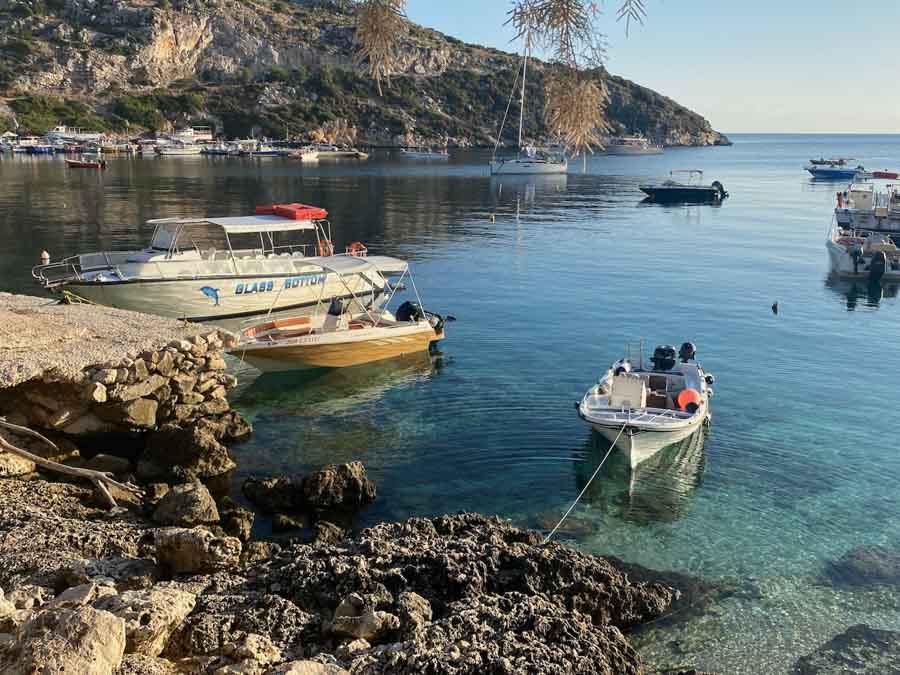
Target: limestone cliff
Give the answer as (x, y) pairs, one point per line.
(272, 65)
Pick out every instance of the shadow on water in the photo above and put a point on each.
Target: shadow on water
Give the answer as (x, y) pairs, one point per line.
(657, 490)
(647, 202)
(854, 293)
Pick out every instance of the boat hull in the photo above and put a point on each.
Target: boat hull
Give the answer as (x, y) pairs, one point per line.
(625, 150)
(317, 351)
(225, 301)
(526, 167)
(677, 195)
(639, 444)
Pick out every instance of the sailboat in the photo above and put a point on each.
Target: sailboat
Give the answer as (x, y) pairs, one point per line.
(530, 160)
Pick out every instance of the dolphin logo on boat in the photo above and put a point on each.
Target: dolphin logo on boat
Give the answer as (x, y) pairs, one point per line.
(211, 293)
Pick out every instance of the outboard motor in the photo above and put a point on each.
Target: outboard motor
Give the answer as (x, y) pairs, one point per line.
(336, 308)
(688, 352)
(410, 311)
(663, 358)
(877, 268)
(720, 189)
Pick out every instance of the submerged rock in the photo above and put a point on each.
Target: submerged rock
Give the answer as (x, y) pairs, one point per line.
(277, 494)
(866, 565)
(859, 650)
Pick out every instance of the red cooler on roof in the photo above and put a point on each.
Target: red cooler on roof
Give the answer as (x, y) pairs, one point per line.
(293, 211)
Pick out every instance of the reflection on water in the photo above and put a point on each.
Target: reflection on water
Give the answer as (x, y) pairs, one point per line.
(854, 292)
(659, 489)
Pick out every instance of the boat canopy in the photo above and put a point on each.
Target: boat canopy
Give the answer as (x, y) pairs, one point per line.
(348, 264)
(243, 224)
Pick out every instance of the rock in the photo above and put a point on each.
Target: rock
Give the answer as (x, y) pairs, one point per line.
(356, 618)
(122, 573)
(139, 664)
(140, 413)
(14, 465)
(96, 393)
(236, 520)
(118, 466)
(258, 648)
(216, 363)
(307, 668)
(106, 376)
(6, 606)
(191, 398)
(339, 485)
(83, 640)
(153, 492)
(87, 424)
(81, 596)
(150, 615)
(282, 522)
(866, 565)
(29, 596)
(165, 365)
(216, 406)
(187, 505)
(178, 454)
(274, 495)
(414, 612)
(348, 650)
(183, 384)
(327, 533)
(197, 550)
(860, 650)
(140, 389)
(140, 370)
(258, 551)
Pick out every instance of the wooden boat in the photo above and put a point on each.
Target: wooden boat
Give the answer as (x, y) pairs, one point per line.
(348, 334)
(86, 163)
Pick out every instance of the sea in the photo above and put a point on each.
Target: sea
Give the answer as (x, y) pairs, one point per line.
(549, 279)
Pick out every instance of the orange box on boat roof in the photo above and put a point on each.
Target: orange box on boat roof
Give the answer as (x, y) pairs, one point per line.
(294, 211)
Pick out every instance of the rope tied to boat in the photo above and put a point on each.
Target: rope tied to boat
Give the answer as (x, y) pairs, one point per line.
(587, 485)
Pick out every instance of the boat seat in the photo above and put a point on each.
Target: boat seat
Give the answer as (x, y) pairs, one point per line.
(628, 391)
(657, 382)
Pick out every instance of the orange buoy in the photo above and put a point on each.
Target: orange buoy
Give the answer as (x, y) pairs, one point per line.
(688, 396)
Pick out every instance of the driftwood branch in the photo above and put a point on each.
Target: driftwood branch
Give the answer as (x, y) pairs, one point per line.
(101, 479)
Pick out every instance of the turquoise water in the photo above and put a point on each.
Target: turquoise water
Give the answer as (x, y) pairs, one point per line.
(802, 461)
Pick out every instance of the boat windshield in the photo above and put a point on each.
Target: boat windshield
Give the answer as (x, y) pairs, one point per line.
(164, 236)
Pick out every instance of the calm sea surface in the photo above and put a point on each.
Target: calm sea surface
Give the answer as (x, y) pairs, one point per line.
(802, 462)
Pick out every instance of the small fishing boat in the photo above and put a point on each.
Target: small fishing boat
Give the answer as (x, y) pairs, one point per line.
(423, 153)
(836, 168)
(341, 336)
(86, 163)
(690, 190)
(632, 145)
(642, 410)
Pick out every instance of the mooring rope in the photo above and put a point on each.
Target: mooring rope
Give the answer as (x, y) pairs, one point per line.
(587, 485)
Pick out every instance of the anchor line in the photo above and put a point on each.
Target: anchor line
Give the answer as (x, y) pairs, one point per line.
(587, 485)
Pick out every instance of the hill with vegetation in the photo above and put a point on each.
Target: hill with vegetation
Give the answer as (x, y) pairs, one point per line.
(274, 68)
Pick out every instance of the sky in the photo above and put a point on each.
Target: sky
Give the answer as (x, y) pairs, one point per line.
(793, 66)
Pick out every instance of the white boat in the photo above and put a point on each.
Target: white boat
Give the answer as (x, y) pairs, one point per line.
(861, 241)
(178, 149)
(530, 160)
(336, 335)
(222, 270)
(632, 145)
(642, 410)
(423, 153)
(837, 168)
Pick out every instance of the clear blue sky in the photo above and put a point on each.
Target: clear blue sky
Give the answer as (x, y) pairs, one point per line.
(791, 66)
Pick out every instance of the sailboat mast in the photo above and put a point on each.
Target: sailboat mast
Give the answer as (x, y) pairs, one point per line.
(522, 97)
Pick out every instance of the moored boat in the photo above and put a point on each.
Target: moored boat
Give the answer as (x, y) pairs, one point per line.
(222, 270)
(632, 145)
(690, 190)
(86, 163)
(339, 336)
(642, 410)
(837, 168)
(178, 149)
(423, 153)
(862, 239)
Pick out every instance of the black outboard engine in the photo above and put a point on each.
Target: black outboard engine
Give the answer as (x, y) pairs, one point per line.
(688, 352)
(336, 308)
(663, 358)
(877, 268)
(410, 311)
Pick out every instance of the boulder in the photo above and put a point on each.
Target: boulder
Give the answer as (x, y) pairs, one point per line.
(274, 495)
(150, 615)
(339, 486)
(414, 612)
(307, 668)
(236, 520)
(866, 565)
(186, 505)
(355, 617)
(178, 454)
(860, 650)
(109, 464)
(255, 647)
(139, 389)
(196, 550)
(81, 596)
(328, 533)
(139, 413)
(62, 641)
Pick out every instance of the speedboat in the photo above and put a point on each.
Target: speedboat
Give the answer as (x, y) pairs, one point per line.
(340, 337)
(836, 168)
(423, 153)
(691, 190)
(862, 239)
(642, 410)
(223, 270)
(632, 145)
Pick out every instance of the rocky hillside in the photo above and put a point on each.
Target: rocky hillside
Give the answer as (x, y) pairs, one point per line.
(270, 67)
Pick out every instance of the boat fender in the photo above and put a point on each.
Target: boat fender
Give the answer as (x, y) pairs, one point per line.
(710, 379)
(877, 268)
(688, 397)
